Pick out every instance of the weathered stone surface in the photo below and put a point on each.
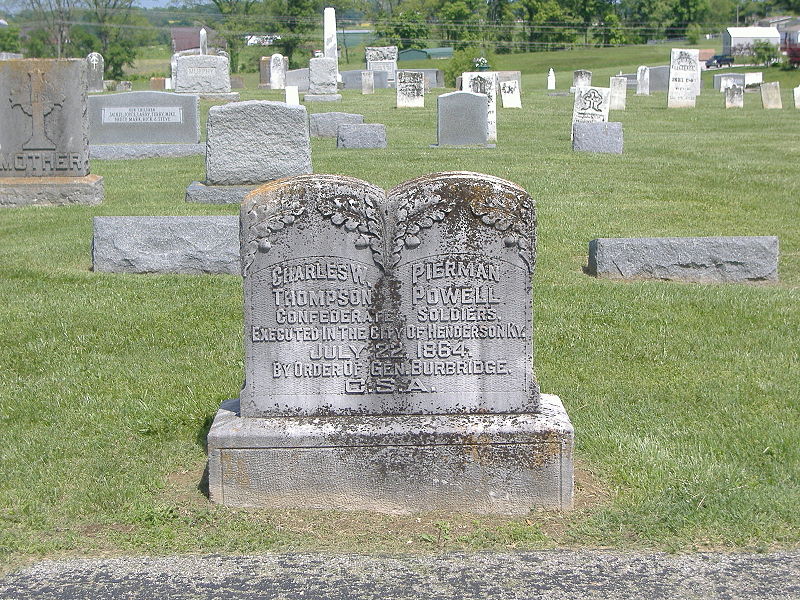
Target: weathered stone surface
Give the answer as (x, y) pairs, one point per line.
(138, 151)
(461, 119)
(597, 137)
(700, 259)
(591, 105)
(643, 81)
(95, 73)
(729, 79)
(330, 47)
(43, 120)
(322, 98)
(203, 41)
(734, 96)
(509, 94)
(367, 82)
(771, 95)
(495, 464)
(202, 74)
(352, 80)
(410, 89)
(51, 191)
(684, 78)
(581, 78)
(237, 82)
(322, 76)
(326, 124)
(264, 66)
(505, 76)
(382, 58)
(299, 78)
(485, 83)
(796, 92)
(369, 135)
(619, 93)
(256, 141)
(659, 78)
(434, 78)
(144, 118)
(123, 86)
(756, 78)
(201, 193)
(158, 84)
(277, 68)
(190, 245)
(10, 55)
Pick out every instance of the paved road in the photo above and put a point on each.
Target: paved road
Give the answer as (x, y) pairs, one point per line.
(525, 575)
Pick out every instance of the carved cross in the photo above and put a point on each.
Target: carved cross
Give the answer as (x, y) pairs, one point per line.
(592, 100)
(37, 104)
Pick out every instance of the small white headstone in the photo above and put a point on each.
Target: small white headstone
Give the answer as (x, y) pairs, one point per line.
(619, 93)
(771, 95)
(168, 83)
(484, 82)
(203, 41)
(509, 94)
(797, 96)
(277, 72)
(367, 82)
(753, 78)
(591, 105)
(684, 78)
(643, 81)
(410, 89)
(96, 69)
(551, 79)
(734, 96)
(292, 95)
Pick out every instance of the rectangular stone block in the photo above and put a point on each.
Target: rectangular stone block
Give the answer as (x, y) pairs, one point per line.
(698, 259)
(325, 124)
(410, 89)
(322, 76)
(619, 93)
(365, 135)
(202, 74)
(597, 137)
(485, 83)
(491, 464)
(771, 95)
(144, 118)
(509, 94)
(734, 96)
(659, 78)
(51, 191)
(730, 79)
(43, 123)
(684, 78)
(298, 78)
(461, 119)
(188, 245)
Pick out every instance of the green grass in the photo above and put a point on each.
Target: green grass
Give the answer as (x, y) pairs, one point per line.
(684, 397)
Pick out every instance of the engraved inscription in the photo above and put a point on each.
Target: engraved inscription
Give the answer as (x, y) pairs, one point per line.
(38, 101)
(143, 114)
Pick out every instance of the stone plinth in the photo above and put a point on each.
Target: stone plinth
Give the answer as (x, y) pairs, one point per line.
(138, 151)
(369, 135)
(51, 191)
(597, 137)
(496, 464)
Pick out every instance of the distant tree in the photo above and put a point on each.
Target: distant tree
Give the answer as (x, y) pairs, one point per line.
(235, 25)
(405, 30)
(9, 39)
(611, 32)
(765, 53)
(296, 21)
(54, 18)
(460, 23)
(547, 24)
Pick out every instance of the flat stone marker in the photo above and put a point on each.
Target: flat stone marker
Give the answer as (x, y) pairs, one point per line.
(250, 143)
(277, 72)
(551, 79)
(366, 135)
(597, 137)
(188, 245)
(205, 75)
(699, 259)
(771, 95)
(44, 149)
(400, 324)
(643, 81)
(410, 89)
(367, 82)
(684, 78)
(734, 97)
(581, 78)
(619, 93)
(326, 124)
(485, 83)
(96, 73)
(591, 105)
(796, 93)
(462, 119)
(292, 95)
(322, 81)
(509, 94)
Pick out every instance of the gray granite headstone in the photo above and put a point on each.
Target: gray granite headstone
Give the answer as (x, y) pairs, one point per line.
(325, 124)
(659, 78)
(462, 119)
(144, 118)
(123, 86)
(256, 141)
(699, 259)
(365, 135)
(203, 74)
(298, 78)
(382, 58)
(322, 76)
(771, 95)
(734, 96)
(597, 137)
(96, 72)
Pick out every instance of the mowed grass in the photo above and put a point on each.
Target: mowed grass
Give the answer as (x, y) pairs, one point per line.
(685, 398)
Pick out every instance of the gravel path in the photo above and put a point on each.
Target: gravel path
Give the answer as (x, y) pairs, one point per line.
(524, 575)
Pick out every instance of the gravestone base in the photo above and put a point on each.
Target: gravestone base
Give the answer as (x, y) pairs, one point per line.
(136, 151)
(228, 96)
(322, 98)
(218, 194)
(487, 463)
(51, 191)
(451, 146)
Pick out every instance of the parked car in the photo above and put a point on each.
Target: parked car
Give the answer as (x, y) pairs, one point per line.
(720, 60)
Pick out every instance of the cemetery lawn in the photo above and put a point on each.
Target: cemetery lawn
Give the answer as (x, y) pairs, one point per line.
(685, 398)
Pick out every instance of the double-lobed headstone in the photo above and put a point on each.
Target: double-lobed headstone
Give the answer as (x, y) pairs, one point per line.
(250, 143)
(96, 72)
(462, 119)
(771, 95)
(44, 134)
(388, 352)
(619, 93)
(277, 72)
(410, 89)
(734, 96)
(484, 82)
(643, 81)
(509, 94)
(684, 78)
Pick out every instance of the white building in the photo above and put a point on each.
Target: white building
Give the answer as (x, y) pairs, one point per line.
(739, 40)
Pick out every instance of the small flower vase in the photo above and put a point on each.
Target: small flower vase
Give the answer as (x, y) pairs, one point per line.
(483, 68)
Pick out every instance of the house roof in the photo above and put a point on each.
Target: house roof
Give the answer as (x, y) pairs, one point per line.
(754, 32)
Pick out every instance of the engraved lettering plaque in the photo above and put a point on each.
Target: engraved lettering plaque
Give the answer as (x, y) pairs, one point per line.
(144, 118)
(419, 303)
